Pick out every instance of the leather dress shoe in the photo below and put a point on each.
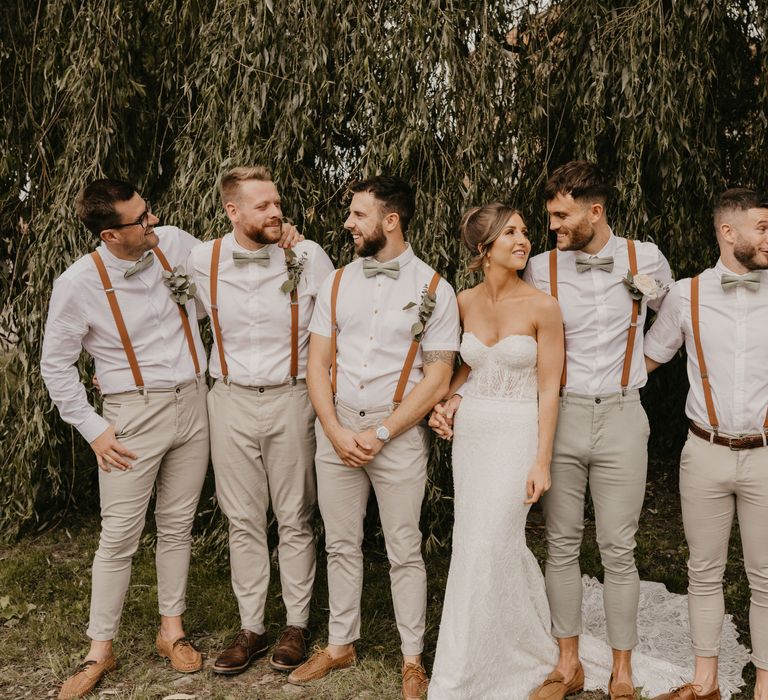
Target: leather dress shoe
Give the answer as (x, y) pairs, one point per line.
(689, 691)
(319, 665)
(245, 647)
(290, 650)
(555, 686)
(86, 676)
(620, 691)
(183, 656)
(415, 681)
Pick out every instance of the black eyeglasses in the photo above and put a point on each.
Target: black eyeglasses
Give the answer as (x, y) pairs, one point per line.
(142, 221)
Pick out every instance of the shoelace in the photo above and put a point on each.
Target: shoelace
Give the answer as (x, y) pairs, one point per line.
(293, 634)
(414, 672)
(84, 666)
(183, 642)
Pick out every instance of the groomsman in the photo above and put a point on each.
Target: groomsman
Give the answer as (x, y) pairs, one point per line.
(602, 429)
(384, 334)
(154, 429)
(260, 300)
(722, 317)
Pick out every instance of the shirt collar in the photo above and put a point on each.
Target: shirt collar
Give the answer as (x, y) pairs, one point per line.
(607, 251)
(720, 270)
(404, 258)
(113, 261)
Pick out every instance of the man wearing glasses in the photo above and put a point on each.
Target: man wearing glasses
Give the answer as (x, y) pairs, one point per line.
(153, 432)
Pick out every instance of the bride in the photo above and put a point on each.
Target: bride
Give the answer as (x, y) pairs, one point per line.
(494, 641)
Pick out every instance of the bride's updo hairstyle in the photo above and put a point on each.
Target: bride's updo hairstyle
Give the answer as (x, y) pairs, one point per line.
(481, 226)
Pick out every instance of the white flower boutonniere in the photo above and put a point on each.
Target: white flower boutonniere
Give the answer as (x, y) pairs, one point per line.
(643, 287)
(181, 286)
(426, 307)
(295, 267)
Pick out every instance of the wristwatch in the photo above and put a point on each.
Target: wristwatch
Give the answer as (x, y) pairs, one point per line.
(382, 433)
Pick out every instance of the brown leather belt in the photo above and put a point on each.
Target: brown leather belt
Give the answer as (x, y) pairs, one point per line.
(747, 442)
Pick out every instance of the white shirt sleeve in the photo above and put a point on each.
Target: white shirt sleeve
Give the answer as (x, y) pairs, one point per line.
(666, 336)
(663, 274)
(320, 268)
(443, 328)
(321, 316)
(62, 344)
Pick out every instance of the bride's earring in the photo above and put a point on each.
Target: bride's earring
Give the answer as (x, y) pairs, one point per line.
(488, 260)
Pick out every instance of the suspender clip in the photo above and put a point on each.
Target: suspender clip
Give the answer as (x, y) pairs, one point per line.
(225, 379)
(765, 437)
(293, 381)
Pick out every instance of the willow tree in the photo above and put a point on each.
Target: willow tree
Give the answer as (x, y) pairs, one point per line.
(469, 100)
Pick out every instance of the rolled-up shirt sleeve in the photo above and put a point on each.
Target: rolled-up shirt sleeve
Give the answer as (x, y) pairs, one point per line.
(662, 274)
(62, 344)
(666, 336)
(321, 316)
(443, 329)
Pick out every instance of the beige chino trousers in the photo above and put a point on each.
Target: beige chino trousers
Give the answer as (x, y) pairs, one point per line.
(168, 431)
(601, 441)
(715, 483)
(263, 445)
(398, 475)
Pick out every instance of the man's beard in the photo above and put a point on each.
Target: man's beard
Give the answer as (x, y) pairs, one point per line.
(265, 234)
(373, 244)
(580, 237)
(748, 255)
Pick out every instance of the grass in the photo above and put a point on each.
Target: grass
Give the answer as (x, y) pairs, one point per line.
(44, 597)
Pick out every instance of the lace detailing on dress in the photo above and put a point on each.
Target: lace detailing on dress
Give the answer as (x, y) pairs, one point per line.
(506, 370)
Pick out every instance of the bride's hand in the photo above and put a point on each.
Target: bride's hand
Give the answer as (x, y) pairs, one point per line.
(438, 422)
(538, 482)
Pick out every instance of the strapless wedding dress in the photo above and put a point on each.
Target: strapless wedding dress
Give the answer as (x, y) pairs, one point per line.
(494, 641)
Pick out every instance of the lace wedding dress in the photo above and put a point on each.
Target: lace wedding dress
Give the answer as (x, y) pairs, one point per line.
(494, 641)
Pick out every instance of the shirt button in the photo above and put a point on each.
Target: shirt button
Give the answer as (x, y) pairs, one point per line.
(370, 337)
(362, 387)
(375, 311)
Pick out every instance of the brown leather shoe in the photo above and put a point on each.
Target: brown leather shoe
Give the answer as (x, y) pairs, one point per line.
(319, 665)
(415, 681)
(290, 650)
(183, 656)
(555, 686)
(620, 691)
(237, 657)
(86, 676)
(689, 691)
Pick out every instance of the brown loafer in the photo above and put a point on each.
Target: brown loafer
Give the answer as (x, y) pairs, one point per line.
(86, 676)
(689, 691)
(237, 657)
(415, 681)
(183, 656)
(290, 650)
(620, 691)
(319, 665)
(555, 686)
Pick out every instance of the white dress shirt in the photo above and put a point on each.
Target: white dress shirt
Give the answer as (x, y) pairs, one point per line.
(734, 340)
(375, 331)
(597, 309)
(254, 313)
(79, 317)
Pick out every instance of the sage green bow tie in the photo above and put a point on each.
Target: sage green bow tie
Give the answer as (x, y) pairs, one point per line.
(390, 268)
(584, 264)
(260, 257)
(141, 264)
(751, 280)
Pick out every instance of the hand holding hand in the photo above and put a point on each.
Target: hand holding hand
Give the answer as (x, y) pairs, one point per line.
(110, 452)
(368, 442)
(438, 423)
(345, 443)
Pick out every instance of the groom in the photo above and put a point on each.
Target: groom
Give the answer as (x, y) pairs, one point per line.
(385, 331)
(722, 316)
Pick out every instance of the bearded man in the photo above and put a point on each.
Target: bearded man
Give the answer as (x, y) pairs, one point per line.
(722, 317)
(260, 300)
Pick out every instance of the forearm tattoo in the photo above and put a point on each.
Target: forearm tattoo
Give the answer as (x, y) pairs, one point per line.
(431, 356)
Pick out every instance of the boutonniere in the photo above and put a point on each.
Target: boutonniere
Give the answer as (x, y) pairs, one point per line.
(643, 287)
(426, 307)
(181, 286)
(294, 264)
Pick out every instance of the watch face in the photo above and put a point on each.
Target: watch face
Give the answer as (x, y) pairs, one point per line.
(382, 433)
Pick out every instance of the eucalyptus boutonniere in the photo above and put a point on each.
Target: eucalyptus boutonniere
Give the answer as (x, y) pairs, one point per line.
(643, 287)
(181, 286)
(426, 307)
(294, 264)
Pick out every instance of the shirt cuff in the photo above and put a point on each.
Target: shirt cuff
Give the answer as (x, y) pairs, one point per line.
(658, 353)
(92, 427)
(460, 391)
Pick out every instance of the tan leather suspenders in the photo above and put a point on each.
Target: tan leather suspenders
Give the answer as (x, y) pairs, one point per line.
(120, 323)
(706, 386)
(631, 333)
(410, 358)
(215, 255)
